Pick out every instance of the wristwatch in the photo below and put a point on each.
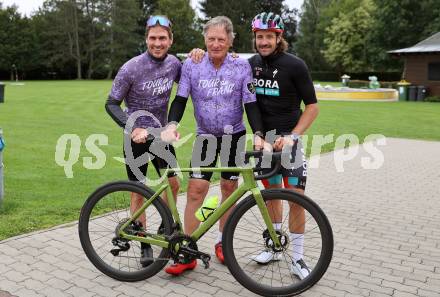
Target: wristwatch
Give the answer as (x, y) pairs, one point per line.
(294, 136)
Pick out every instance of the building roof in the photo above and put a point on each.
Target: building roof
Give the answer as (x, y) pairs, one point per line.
(429, 45)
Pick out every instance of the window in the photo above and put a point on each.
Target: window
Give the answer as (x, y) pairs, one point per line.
(434, 71)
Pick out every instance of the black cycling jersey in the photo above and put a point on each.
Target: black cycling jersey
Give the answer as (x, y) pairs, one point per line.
(282, 81)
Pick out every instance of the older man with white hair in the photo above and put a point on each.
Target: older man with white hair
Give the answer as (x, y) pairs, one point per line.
(219, 87)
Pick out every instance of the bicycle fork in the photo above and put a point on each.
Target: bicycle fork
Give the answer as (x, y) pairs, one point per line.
(266, 217)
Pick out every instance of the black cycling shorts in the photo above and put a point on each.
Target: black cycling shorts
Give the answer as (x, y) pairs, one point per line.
(167, 159)
(293, 171)
(207, 148)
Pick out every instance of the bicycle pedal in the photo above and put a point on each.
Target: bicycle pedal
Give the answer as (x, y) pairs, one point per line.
(205, 259)
(115, 252)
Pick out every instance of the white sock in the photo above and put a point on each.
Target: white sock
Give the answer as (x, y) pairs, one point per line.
(277, 226)
(297, 242)
(219, 237)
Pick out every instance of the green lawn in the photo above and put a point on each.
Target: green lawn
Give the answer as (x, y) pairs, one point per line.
(34, 116)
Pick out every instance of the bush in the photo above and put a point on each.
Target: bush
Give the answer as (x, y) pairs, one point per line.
(325, 76)
(358, 84)
(432, 99)
(361, 84)
(390, 76)
(388, 84)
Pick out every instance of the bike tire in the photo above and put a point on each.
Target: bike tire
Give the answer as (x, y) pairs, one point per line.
(239, 233)
(99, 213)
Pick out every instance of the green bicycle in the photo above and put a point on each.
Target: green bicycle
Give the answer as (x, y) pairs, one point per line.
(111, 237)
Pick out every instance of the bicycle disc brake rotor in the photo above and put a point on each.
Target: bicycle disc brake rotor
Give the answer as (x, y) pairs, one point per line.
(284, 241)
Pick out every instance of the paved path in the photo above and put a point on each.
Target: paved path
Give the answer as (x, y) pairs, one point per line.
(386, 226)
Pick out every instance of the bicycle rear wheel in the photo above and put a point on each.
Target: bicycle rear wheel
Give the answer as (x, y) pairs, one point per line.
(103, 214)
(243, 240)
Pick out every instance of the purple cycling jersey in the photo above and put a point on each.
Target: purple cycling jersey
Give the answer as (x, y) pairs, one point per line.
(145, 84)
(218, 95)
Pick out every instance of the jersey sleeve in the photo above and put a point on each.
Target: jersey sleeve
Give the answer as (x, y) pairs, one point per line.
(121, 84)
(247, 88)
(178, 67)
(304, 84)
(184, 88)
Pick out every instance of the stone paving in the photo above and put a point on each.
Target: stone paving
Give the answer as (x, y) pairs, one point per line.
(386, 226)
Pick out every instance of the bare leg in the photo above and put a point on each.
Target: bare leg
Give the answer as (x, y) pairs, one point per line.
(227, 187)
(297, 218)
(136, 202)
(275, 207)
(197, 190)
(175, 185)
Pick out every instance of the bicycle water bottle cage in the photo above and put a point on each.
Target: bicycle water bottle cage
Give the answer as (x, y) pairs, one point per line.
(206, 212)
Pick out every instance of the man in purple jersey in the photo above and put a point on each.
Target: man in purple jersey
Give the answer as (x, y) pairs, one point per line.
(144, 83)
(219, 87)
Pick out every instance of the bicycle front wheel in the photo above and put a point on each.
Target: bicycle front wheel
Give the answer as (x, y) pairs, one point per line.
(253, 260)
(102, 215)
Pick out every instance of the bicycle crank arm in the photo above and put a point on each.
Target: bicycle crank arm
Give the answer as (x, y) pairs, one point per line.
(205, 259)
(198, 255)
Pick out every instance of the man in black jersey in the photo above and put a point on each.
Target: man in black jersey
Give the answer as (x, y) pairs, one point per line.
(282, 82)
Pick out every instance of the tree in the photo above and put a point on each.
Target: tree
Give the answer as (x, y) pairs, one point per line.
(92, 38)
(183, 18)
(121, 32)
(275, 6)
(289, 17)
(94, 35)
(18, 42)
(311, 35)
(147, 7)
(400, 24)
(62, 28)
(72, 11)
(347, 39)
(241, 14)
(431, 8)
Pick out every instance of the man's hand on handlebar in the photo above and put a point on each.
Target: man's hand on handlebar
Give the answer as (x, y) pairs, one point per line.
(261, 144)
(170, 134)
(282, 141)
(139, 135)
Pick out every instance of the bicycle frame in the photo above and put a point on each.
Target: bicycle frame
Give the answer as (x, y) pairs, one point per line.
(249, 184)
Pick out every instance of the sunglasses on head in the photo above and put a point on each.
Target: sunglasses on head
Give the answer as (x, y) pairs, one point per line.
(158, 19)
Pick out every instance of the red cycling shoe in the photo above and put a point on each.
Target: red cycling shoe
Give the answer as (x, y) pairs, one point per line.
(219, 252)
(178, 268)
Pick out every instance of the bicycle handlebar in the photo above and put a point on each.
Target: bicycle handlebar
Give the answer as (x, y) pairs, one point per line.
(256, 154)
(259, 154)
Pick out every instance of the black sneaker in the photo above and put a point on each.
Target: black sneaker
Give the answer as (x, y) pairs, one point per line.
(146, 254)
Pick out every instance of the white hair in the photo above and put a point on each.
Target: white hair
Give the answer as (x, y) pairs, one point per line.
(220, 21)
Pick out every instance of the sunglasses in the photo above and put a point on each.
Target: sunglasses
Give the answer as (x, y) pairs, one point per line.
(158, 19)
